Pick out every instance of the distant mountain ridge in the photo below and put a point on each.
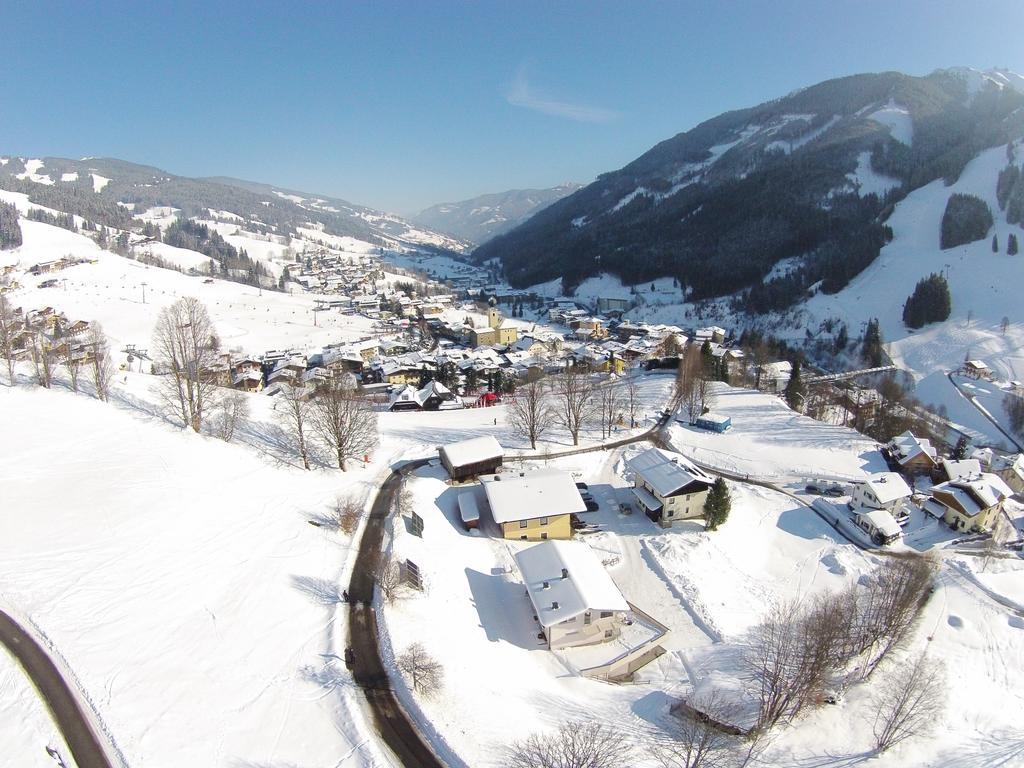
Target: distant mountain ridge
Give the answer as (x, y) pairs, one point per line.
(91, 183)
(809, 178)
(483, 217)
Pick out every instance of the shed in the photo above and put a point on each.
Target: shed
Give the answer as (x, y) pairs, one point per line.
(714, 422)
(882, 527)
(469, 511)
(469, 458)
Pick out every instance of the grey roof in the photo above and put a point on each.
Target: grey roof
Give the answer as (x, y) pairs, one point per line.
(667, 472)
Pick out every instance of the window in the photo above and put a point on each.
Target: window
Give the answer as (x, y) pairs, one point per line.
(605, 614)
(608, 633)
(671, 512)
(522, 523)
(672, 500)
(523, 537)
(543, 521)
(586, 617)
(544, 535)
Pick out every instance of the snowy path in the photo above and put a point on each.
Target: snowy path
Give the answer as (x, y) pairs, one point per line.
(635, 573)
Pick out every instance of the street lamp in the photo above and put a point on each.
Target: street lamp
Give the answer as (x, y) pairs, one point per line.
(143, 292)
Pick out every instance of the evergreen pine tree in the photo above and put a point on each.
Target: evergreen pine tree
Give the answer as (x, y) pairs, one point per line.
(995, 243)
(717, 505)
(794, 392)
(1011, 245)
(871, 349)
(960, 451)
(842, 339)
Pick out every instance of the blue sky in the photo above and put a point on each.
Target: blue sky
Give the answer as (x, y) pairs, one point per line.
(399, 105)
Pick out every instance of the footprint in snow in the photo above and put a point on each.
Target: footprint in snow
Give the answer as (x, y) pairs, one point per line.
(955, 621)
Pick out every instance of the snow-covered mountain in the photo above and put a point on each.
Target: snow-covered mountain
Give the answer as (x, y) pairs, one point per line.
(89, 184)
(481, 218)
(808, 180)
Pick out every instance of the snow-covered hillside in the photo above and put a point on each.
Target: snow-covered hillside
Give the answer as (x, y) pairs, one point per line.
(178, 578)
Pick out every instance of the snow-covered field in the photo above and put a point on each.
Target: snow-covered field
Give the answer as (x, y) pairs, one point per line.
(768, 441)
(178, 578)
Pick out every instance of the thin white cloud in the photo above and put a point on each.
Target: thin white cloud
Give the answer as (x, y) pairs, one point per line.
(522, 94)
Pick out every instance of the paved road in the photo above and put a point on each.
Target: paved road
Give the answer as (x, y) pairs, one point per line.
(391, 720)
(85, 747)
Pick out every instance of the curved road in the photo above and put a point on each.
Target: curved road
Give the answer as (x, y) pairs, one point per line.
(391, 720)
(85, 747)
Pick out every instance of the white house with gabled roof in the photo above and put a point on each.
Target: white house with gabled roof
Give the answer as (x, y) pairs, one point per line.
(669, 486)
(573, 597)
(883, 490)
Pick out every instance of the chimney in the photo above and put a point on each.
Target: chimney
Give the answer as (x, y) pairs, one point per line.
(565, 573)
(554, 606)
(546, 585)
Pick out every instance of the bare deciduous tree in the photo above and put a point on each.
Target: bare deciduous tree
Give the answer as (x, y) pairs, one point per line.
(632, 399)
(424, 671)
(71, 359)
(345, 421)
(347, 512)
(574, 394)
(909, 701)
(227, 413)
(772, 659)
(389, 578)
(7, 334)
(187, 349)
(575, 745)
(293, 416)
(693, 390)
(700, 741)
(891, 602)
(530, 414)
(42, 354)
(608, 408)
(102, 369)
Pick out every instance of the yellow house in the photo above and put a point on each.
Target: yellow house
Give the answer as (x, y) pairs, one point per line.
(971, 504)
(534, 505)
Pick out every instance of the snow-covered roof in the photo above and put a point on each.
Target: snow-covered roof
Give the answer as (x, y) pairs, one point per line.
(565, 579)
(715, 418)
(888, 487)
(964, 469)
(472, 451)
(907, 446)
(976, 494)
(976, 364)
(882, 522)
(667, 472)
(468, 509)
(529, 495)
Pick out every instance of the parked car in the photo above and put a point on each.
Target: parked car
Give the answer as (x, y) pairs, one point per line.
(586, 496)
(812, 488)
(592, 505)
(833, 491)
(583, 486)
(625, 509)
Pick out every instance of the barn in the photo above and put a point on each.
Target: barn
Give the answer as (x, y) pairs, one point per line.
(468, 458)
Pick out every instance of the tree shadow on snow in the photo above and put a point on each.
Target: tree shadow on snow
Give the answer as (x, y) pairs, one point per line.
(322, 591)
